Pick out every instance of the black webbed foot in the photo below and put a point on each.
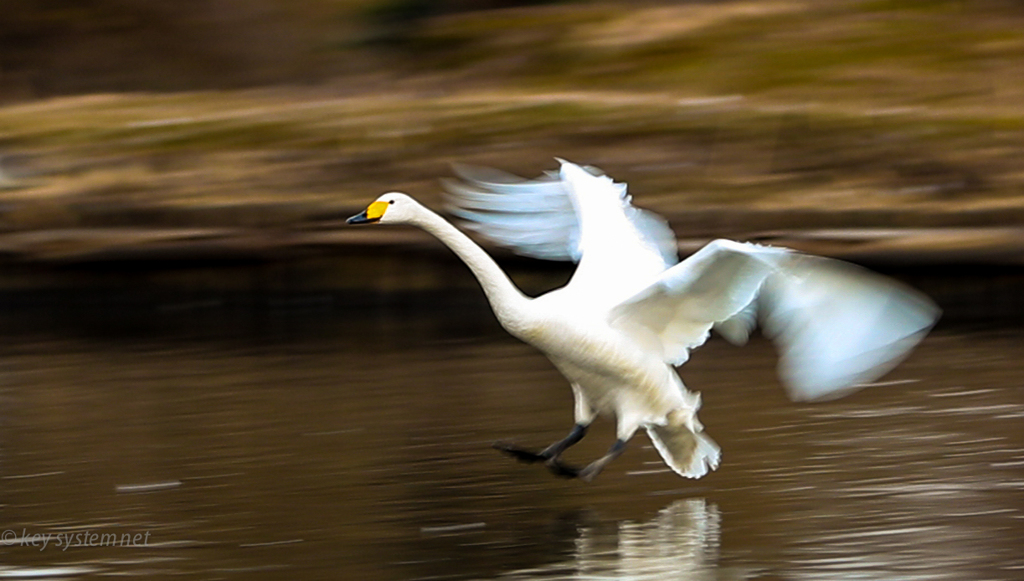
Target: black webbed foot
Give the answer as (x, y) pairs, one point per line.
(589, 472)
(548, 455)
(521, 454)
(563, 470)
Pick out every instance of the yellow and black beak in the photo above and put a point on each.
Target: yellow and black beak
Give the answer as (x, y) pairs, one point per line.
(371, 214)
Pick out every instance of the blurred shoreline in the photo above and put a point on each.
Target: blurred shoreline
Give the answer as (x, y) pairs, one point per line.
(886, 133)
(167, 277)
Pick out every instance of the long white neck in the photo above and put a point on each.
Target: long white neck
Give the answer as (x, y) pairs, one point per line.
(509, 304)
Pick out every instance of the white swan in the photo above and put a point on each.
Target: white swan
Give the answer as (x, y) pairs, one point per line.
(631, 312)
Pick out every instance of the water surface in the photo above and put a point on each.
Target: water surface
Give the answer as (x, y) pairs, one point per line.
(358, 447)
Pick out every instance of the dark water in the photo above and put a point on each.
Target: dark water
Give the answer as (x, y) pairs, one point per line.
(358, 447)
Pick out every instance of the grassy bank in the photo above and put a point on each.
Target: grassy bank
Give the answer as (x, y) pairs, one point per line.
(730, 118)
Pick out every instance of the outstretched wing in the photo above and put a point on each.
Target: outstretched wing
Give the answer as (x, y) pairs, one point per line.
(533, 218)
(624, 248)
(835, 325)
(578, 214)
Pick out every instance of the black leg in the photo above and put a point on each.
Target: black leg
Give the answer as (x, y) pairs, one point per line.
(555, 450)
(549, 454)
(594, 468)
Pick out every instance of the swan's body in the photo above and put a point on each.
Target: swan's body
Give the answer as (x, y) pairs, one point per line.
(631, 313)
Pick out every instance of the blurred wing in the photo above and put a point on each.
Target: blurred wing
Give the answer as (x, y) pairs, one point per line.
(835, 325)
(533, 218)
(578, 214)
(838, 325)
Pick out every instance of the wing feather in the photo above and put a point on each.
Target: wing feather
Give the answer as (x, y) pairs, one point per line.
(575, 214)
(839, 325)
(623, 248)
(835, 325)
(530, 217)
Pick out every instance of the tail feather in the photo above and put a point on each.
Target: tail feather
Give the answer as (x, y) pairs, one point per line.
(688, 453)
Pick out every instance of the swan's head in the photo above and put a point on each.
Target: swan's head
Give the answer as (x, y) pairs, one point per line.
(391, 208)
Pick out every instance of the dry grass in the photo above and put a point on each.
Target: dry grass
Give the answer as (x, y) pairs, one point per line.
(898, 113)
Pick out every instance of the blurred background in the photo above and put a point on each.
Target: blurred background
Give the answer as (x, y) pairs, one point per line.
(196, 346)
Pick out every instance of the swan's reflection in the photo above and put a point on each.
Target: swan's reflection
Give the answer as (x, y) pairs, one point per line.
(681, 542)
